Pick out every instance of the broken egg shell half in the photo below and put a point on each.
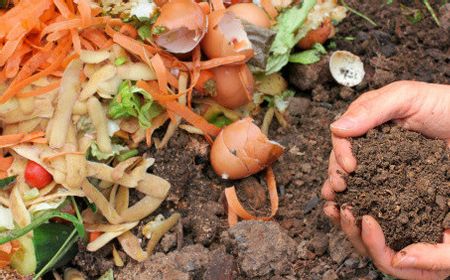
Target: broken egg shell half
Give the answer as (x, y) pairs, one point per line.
(185, 25)
(346, 68)
(234, 85)
(241, 150)
(226, 36)
(251, 13)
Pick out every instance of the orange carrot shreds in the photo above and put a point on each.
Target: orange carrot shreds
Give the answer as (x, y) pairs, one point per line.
(161, 72)
(13, 64)
(156, 123)
(95, 36)
(269, 8)
(49, 14)
(215, 62)
(69, 59)
(5, 163)
(142, 51)
(76, 23)
(8, 50)
(40, 140)
(40, 90)
(236, 207)
(52, 157)
(15, 139)
(181, 110)
(70, 5)
(195, 73)
(60, 51)
(76, 42)
(6, 140)
(129, 30)
(55, 36)
(6, 252)
(63, 8)
(152, 87)
(85, 12)
(191, 117)
(22, 13)
(94, 235)
(86, 45)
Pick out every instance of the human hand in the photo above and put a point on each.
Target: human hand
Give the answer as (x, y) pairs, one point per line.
(416, 106)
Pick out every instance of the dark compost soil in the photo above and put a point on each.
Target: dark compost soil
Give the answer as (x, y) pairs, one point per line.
(300, 243)
(403, 180)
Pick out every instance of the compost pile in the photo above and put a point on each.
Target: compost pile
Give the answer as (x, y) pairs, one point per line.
(403, 180)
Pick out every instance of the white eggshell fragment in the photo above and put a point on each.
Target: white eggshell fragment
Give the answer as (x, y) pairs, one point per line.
(346, 68)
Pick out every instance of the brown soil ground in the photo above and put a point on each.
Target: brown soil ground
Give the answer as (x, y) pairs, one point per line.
(402, 179)
(300, 243)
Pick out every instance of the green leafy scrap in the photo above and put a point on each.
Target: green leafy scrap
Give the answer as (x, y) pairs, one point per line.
(6, 182)
(132, 101)
(95, 152)
(289, 32)
(309, 56)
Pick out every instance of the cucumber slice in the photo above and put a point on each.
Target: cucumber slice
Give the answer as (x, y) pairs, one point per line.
(24, 260)
(48, 239)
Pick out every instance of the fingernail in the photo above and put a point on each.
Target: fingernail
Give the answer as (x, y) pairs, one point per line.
(405, 261)
(343, 123)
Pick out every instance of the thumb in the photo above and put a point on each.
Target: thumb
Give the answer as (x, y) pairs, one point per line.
(424, 256)
(394, 101)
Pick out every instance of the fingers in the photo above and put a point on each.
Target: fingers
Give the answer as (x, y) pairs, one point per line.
(327, 191)
(394, 101)
(446, 238)
(342, 150)
(382, 255)
(335, 182)
(423, 256)
(349, 227)
(332, 212)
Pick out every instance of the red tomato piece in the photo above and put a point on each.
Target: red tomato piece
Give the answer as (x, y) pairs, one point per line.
(36, 176)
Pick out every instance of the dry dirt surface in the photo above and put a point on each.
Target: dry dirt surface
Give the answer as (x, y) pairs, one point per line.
(299, 243)
(403, 180)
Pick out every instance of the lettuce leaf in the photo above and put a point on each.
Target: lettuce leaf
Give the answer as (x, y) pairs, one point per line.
(288, 34)
(309, 56)
(132, 101)
(96, 153)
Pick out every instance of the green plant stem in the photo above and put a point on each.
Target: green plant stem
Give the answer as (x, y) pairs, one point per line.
(61, 252)
(358, 13)
(433, 14)
(39, 220)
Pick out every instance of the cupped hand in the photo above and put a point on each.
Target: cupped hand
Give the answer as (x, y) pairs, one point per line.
(417, 106)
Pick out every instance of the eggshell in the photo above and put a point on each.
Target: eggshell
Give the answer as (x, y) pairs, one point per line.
(225, 36)
(186, 25)
(346, 68)
(251, 13)
(234, 85)
(241, 150)
(319, 35)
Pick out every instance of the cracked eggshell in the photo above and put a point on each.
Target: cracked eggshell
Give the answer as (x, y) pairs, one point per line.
(346, 68)
(251, 13)
(234, 85)
(241, 150)
(226, 36)
(185, 25)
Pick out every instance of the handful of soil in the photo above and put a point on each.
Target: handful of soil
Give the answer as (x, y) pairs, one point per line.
(403, 181)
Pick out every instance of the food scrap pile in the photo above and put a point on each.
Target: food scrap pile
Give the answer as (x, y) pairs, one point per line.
(84, 83)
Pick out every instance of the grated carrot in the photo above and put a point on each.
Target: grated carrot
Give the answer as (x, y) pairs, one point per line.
(236, 208)
(161, 72)
(40, 90)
